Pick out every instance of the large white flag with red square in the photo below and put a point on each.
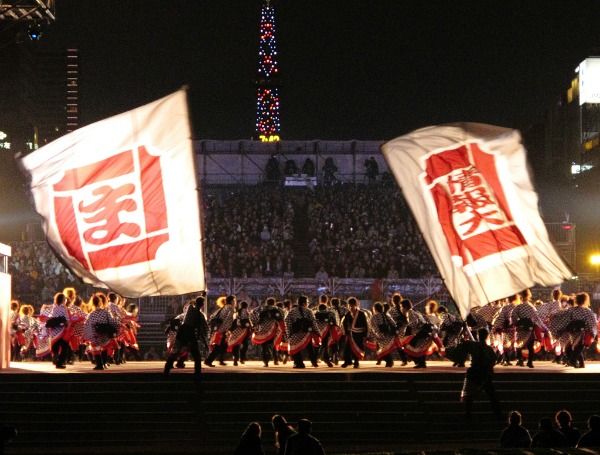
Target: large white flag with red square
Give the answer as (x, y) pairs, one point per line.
(469, 189)
(119, 200)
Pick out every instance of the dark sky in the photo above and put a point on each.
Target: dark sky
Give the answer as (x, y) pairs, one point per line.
(362, 69)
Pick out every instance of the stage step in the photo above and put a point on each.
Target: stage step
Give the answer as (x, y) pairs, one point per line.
(147, 413)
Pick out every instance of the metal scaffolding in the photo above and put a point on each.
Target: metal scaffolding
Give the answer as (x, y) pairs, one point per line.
(36, 11)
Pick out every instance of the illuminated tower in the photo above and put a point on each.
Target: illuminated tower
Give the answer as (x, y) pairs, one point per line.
(268, 127)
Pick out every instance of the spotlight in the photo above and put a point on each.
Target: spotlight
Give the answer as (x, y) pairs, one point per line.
(34, 32)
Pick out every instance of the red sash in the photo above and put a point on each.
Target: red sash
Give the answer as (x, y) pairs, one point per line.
(303, 343)
(233, 342)
(216, 338)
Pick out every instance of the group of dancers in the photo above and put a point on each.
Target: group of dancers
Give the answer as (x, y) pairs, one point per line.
(335, 331)
(101, 330)
(331, 331)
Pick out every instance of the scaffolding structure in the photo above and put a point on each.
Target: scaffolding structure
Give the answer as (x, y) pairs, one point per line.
(33, 11)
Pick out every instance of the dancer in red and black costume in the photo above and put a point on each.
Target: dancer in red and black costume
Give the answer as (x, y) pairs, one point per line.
(504, 330)
(327, 322)
(582, 329)
(13, 322)
(269, 329)
(100, 329)
(302, 333)
(220, 323)
(419, 335)
(237, 341)
(529, 327)
(395, 312)
(546, 313)
(28, 330)
(57, 325)
(191, 337)
(338, 346)
(117, 348)
(76, 329)
(356, 327)
(384, 328)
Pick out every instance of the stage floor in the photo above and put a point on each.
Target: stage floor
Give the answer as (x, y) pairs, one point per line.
(254, 367)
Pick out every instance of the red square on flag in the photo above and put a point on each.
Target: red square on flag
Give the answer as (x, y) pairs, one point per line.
(470, 202)
(112, 213)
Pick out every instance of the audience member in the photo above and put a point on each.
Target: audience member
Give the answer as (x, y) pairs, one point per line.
(592, 437)
(564, 422)
(304, 443)
(548, 437)
(283, 431)
(250, 443)
(515, 436)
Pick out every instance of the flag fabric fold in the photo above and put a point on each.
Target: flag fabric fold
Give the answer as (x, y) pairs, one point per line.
(119, 201)
(470, 192)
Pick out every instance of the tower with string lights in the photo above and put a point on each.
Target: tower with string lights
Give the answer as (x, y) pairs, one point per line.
(268, 127)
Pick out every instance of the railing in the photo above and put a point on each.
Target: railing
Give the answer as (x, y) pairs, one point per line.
(235, 162)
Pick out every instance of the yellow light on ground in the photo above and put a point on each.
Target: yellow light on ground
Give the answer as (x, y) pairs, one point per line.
(595, 259)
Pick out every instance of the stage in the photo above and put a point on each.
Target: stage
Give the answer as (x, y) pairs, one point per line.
(257, 367)
(134, 408)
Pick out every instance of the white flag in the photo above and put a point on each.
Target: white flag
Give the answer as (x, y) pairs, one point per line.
(119, 200)
(469, 189)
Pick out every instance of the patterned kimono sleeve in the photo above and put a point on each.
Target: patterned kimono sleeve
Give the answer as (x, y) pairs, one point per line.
(415, 321)
(375, 325)
(312, 317)
(591, 322)
(537, 320)
(335, 317)
(227, 319)
(289, 321)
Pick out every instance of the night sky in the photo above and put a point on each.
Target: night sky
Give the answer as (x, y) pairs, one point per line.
(350, 69)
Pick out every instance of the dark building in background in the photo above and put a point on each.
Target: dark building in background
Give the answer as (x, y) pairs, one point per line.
(39, 102)
(573, 126)
(572, 158)
(40, 95)
(72, 89)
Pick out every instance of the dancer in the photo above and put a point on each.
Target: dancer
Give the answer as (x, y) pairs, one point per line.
(220, 323)
(301, 329)
(582, 329)
(529, 328)
(237, 341)
(56, 325)
(418, 337)
(268, 326)
(192, 337)
(480, 373)
(356, 327)
(384, 329)
(326, 320)
(504, 330)
(29, 326)
(99, 329)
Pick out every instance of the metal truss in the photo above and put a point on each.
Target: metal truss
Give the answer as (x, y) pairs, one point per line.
(33, 11)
